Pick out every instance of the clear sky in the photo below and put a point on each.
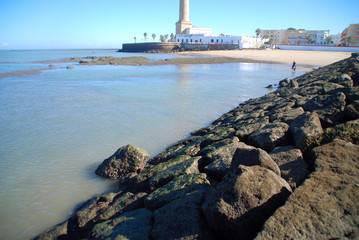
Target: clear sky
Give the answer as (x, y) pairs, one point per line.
(45, 24)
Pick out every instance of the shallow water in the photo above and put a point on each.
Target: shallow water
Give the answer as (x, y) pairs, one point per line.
(57, 127)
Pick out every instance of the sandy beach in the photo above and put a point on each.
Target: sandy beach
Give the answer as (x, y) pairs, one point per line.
(304, 58)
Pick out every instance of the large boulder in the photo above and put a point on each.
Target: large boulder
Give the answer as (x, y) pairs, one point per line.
(239, 205)
(253, 157)
(306, 130)
(126, 160)
(326, 205)
(270, 136)
(291, 163)
(220, 159)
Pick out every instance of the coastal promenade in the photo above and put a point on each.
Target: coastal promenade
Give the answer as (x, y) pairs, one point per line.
(282, 166)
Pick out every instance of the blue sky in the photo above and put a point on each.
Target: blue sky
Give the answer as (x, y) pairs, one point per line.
(44, 24)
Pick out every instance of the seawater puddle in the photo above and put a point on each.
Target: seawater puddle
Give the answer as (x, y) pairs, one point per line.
(58, 126)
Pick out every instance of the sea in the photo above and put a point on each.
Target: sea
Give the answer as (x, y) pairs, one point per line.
(58, 125)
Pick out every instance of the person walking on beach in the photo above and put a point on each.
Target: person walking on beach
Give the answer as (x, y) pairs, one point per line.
(294, 66)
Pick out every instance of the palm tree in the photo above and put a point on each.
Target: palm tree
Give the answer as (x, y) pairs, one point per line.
(135, 39)
(172, 36)
(329, 39)
(145, 35)
(153, 36)
(166, 36)
(349, 39)
(310, 39)
(258, 31)
(162, 38)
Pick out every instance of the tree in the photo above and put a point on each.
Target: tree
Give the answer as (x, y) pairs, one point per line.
(349, 40)
(154, 37)
(145, 35)
(310, 39)
(135, 39)
(166, 36)
(162, 38)
(172, 36)
(329, 39)
(258, 31)
(292, 29)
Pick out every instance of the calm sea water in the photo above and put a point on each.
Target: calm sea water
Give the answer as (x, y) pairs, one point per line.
(56, 127)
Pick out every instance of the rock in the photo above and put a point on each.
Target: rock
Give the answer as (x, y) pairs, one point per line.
(351, 111)
(140, 182)
(252, 157)
(221, 158)
(348, 131)
(284, 83)
(103, 208)
(247, 127)
(294, 83)
(326, 205)
(126, 160)
(329, 87)
(239, 205)
(270, 136)
(287, 115)
(187, 167)
(181, 219)
(306, 130)
(70, 67)
(57, 232)
(176, 189)
(291, 164)
(131, 225)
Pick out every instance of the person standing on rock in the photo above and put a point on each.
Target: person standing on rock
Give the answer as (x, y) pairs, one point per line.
(294, 66)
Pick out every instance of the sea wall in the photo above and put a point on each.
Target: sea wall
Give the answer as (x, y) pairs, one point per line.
(319, 48)
(145, 47)
(282, 166)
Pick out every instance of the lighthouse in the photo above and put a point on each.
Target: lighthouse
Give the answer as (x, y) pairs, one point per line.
(184, 23)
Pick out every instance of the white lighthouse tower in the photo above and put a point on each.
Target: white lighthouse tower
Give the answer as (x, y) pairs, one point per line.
(184, 22)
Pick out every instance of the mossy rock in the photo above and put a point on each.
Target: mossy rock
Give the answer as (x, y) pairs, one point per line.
(175, 189)
(348, 131)
(131, 225)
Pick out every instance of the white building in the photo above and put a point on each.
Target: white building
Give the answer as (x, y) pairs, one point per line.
(188, 34)
(336, 38)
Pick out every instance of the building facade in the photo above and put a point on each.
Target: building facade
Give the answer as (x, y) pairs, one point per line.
(296, 37)
(350, 36)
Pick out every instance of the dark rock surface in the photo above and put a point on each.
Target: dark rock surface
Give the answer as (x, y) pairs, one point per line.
(126, 160)
(233, 179)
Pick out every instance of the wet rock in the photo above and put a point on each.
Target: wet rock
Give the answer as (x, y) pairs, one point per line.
(187, 167)
(135, 224)
(140, 182)
(239, 205)
(252, 157)
(176, 189)
(126, 160)
(284, 82)
(306, 130)
(57, 232)
(270, 136)
(326, 205)
(221, 159)
(291, 164)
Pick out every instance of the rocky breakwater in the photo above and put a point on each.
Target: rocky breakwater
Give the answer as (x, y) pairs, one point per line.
(283, 166)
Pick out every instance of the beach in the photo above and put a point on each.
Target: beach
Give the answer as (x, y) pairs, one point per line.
(303, 58)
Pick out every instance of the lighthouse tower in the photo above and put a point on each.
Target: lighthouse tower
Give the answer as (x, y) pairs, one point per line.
(183, 22)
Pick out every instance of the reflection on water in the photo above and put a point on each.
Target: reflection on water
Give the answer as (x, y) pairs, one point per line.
(58, 126)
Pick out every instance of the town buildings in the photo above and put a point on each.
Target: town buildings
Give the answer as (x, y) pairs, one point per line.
(350, 36)
(296, 37)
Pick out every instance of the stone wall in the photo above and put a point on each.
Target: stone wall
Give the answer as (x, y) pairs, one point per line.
(145, 47)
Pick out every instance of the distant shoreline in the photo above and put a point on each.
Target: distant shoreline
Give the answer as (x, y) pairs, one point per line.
(304, 59)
